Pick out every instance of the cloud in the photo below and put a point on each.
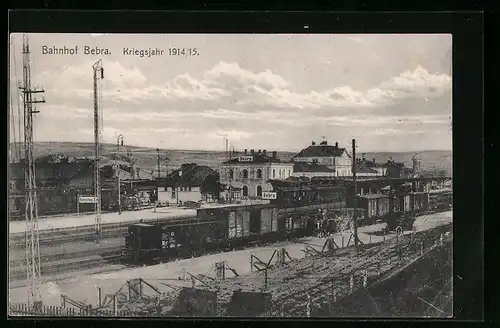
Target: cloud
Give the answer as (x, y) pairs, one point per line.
(229, 80)
(392, 132)
(248, 106)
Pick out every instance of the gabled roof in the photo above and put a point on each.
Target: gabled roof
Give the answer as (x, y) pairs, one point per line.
(306, 167)
(361, 168)
(321, 151)
(258, 158)
(192, 175)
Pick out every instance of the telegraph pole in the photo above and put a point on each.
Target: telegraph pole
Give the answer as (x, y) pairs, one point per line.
(31, 206)
(355, 217)
(98, 71)
(119, 144)
(158, 161)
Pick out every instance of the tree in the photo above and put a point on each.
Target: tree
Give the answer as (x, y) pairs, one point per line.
(211, 185)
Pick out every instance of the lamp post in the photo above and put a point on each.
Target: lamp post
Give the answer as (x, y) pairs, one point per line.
(119, 143)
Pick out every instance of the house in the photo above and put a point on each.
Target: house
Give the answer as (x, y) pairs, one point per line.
(333, 157)
(398, 170)
(187, 184)
(247, 175)
(381, 169)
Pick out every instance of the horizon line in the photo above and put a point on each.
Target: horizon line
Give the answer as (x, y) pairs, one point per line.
(222, 150)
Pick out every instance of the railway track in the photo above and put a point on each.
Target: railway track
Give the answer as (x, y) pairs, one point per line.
(67, 265)
(47, 258)
(84, 233)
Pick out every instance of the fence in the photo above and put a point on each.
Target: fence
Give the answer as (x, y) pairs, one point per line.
(379, 267)
(22, 309)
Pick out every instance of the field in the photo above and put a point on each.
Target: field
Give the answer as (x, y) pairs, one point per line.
(147, 157)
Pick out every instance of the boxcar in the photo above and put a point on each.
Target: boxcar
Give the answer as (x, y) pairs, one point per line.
(374, 205)
(405, 203)
(420, 201)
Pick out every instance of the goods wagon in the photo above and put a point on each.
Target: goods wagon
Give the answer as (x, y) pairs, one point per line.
(374, 206)
(420, 202)
(218, 228)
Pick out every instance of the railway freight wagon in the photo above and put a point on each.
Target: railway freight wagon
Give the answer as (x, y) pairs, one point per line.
(375, 206)
(214, 229)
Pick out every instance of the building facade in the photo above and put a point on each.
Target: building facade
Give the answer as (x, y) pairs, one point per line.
(186, 184)
(333, 157)
(247, 176)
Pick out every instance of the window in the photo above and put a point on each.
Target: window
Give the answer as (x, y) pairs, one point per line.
(245, 191)
(274, 173)
(231, 174)
(173, 194)
(259, 174)
(245, 174)
(259, 191)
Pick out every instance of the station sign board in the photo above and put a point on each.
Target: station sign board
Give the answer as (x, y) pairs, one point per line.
(268, 195)
(87, 200)
(245, 159)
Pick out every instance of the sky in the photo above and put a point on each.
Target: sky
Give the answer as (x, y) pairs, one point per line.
(273, 92)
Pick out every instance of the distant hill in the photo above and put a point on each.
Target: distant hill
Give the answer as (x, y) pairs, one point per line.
(147, 157)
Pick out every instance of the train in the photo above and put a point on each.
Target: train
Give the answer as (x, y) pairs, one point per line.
(298, 209)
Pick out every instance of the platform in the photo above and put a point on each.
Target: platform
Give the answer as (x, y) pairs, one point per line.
(78, 220)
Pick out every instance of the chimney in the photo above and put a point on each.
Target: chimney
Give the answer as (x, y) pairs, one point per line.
(264, 152)
(274, 154)
(252, 152)
(313, 143)
(336, 145)
(245, 151)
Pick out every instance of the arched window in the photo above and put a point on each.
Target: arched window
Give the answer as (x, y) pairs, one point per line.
(274, 173)
(245, 174)
(245, 191)
(259, 191)
(259, 174)
(231, 174)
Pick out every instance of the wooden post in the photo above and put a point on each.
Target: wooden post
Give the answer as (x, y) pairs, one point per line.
(115, 305)
(308, 306)
(99, 295)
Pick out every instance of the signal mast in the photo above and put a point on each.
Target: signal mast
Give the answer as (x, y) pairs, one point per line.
(31, 208)
(98, 75)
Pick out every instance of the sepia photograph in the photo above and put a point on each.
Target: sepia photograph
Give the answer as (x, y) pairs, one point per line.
(230, 175)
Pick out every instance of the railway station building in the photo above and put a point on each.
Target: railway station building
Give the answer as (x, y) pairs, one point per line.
(331, 156)
(246, 176)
